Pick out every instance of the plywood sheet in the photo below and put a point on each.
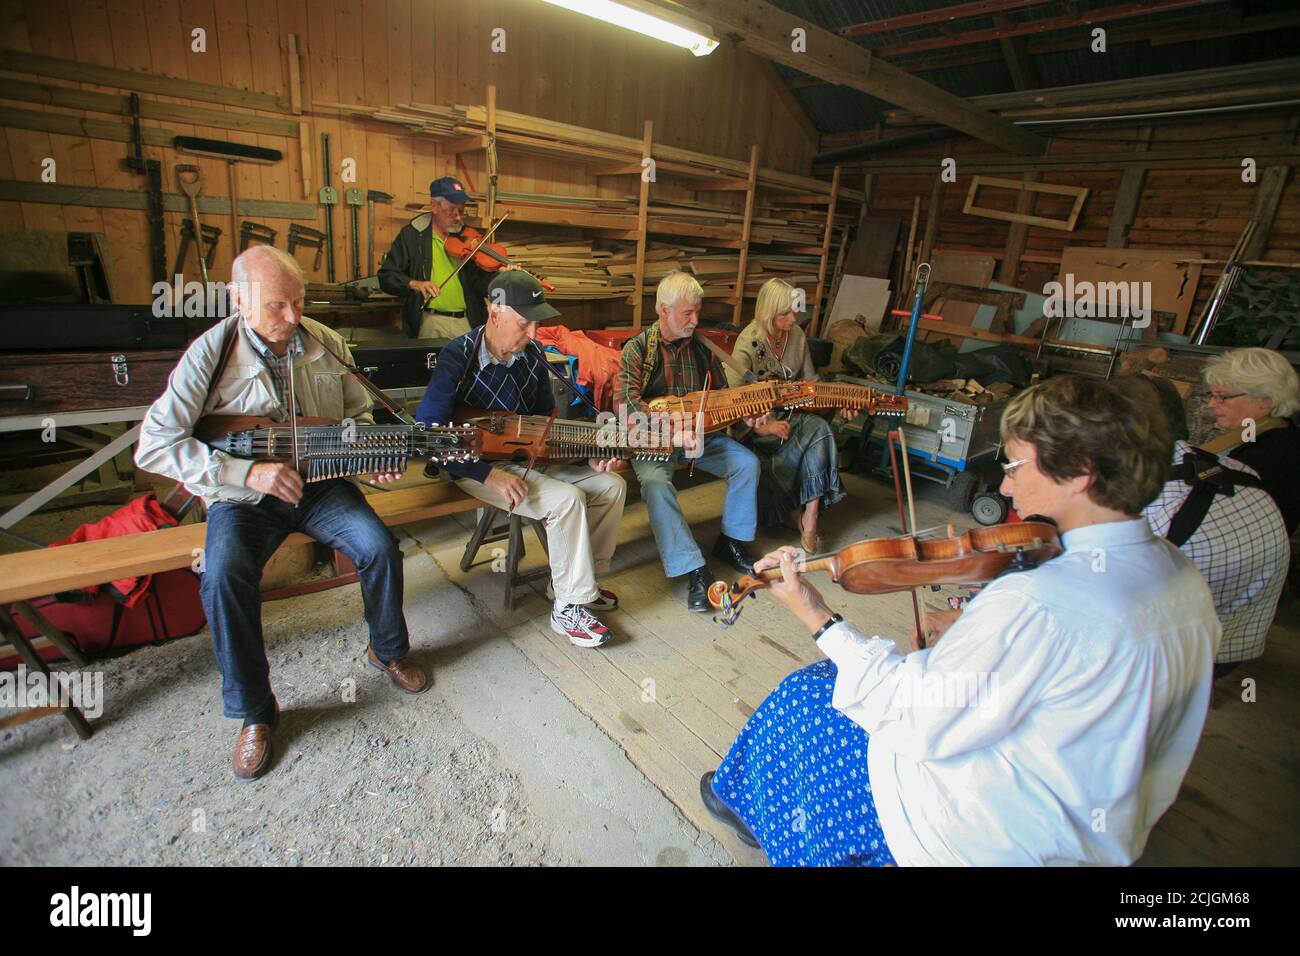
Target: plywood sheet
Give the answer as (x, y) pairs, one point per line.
(872, 250)
(1172, 278)
(861, 295)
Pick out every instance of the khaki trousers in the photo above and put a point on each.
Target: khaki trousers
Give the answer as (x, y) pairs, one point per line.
(582, 509)
(435, 326)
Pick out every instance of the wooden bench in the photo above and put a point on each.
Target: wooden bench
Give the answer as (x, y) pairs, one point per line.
(32, 574)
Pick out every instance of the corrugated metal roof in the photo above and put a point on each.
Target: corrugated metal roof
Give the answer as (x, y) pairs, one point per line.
(838, 109)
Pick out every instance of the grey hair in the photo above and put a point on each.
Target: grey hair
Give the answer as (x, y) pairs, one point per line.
(260, 257)
(676, 286)
(1260, 373)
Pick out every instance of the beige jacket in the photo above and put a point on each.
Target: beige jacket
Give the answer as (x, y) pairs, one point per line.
(754, 353)
(167, 447)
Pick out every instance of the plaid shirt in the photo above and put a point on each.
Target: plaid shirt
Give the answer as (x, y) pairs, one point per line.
(680, 370)
(277, 365)
(1242, 551)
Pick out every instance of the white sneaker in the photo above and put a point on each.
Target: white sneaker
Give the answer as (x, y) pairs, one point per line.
(605, 600)
(579, 625)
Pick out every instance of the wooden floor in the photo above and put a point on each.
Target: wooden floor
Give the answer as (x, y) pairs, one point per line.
(673, 688)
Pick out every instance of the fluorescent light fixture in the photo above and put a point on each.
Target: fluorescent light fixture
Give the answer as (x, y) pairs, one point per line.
(651, 25)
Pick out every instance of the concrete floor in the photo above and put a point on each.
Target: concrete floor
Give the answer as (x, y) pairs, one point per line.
(493, 765)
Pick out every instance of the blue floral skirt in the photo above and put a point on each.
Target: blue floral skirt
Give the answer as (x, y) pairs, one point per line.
(797, 776)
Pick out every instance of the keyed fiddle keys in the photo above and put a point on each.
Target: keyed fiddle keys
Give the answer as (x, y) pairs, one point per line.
(323, 449)
(726, 406)
(855, 397)
(509, 436)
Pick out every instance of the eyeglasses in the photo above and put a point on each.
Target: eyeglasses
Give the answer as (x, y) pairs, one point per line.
(1009, 468)
(1217, 397)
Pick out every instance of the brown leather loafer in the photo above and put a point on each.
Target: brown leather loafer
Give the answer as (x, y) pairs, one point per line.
(253, 749)
(405, 673)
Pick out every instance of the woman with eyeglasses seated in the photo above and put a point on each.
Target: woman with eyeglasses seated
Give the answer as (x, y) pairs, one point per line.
(1050, 722)
(800, 474)
(1253, 394)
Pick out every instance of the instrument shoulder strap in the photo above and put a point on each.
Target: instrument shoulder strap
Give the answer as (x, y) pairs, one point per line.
(1207, 483)
(229, 336)
(178, 501)
(650, 361)
(373, 390)
(701, 348)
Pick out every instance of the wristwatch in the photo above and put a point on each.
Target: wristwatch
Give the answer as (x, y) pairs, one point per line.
(831, 622)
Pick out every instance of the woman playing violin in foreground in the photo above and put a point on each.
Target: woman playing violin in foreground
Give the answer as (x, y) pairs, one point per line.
(1050, 723)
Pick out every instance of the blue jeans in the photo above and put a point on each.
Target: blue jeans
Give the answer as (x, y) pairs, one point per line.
(724, 457)
(240, 540)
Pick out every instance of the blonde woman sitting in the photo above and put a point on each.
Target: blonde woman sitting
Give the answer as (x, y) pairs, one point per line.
(799, 461)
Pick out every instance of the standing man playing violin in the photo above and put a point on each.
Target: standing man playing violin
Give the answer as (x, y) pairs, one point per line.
(242, 366)
(1050, 723)
(418, 270)
(499, 367)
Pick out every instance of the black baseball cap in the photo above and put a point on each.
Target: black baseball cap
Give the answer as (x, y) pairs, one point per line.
(522, 293)
(450, 189)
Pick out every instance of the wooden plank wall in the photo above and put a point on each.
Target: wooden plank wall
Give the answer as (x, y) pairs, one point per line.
(1201, 210)
(557, 65)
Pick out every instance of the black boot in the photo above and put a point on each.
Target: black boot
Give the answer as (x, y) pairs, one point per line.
(697, 590)
(713, 803)
(734, 553)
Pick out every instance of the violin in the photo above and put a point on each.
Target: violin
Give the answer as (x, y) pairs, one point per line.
(887, 565)
(488, 256)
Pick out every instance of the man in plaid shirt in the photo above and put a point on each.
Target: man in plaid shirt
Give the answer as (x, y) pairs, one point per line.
(665, 359)
(1240, 546)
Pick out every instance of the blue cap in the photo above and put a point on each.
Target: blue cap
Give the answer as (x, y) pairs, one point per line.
(448, 188)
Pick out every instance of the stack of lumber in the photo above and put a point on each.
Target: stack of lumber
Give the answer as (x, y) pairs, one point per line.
(597, 269)
(790, 209)
(617, 217)
(534, 134)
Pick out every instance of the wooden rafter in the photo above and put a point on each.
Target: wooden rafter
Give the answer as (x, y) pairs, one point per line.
(967, 37)
(767, 30)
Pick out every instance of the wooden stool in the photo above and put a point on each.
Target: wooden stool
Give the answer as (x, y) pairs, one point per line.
(488, 531)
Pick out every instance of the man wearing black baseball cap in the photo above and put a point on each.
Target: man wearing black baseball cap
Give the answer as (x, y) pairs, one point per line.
(418, 269)
(500, 368)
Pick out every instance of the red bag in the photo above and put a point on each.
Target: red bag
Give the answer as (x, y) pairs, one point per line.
(151, 608)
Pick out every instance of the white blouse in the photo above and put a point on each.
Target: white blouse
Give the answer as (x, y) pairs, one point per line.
(1054, 721)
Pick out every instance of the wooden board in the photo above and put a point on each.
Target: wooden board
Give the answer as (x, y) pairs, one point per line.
(872, 251)
(32, 574)
(1173, 278)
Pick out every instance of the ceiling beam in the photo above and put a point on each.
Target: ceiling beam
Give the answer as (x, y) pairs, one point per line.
(1024, 75)
(768, 30)
(943, 15)
(1164, 33)
(1102, 15)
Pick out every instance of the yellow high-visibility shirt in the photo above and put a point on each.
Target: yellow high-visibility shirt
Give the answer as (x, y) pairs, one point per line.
(452, 297)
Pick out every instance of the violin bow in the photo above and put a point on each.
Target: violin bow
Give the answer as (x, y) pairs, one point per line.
(486, 236)
(699, 421)
(917, 610)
